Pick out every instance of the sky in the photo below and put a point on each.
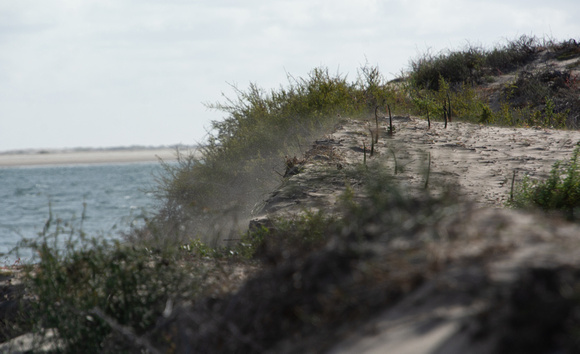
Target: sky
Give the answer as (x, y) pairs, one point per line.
(104, 73)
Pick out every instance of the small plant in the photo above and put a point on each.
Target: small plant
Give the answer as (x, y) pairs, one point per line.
(252, 242)
(552, 119)
(202, 249)
(374, 138)
(559, 192)
(395, 159)
(364, 153)
(486, 115)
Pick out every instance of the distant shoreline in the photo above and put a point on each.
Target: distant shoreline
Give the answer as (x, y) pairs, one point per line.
(73, 157)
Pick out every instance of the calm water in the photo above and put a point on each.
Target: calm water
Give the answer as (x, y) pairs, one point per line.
(115, 196)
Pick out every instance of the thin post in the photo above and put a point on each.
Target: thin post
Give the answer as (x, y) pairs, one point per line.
(391, 129)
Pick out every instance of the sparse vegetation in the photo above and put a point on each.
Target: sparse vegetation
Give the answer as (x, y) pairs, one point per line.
(546, 98)
(473, 64)
(559, 192)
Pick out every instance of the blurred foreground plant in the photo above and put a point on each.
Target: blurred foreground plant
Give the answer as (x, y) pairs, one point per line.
(74, 278)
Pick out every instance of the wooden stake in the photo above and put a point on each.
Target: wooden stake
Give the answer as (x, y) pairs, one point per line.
(391, 129)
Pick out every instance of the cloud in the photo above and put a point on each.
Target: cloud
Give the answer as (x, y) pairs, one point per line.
(149, 64)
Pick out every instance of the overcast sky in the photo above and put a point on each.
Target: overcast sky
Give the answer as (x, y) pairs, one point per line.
(99, 73)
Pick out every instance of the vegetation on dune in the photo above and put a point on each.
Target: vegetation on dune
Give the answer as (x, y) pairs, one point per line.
(321, 270)
(245, 152)
(166, 285)
(472, 65)
(547, 98)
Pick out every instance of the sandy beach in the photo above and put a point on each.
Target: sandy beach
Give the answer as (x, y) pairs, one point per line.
(85, 157)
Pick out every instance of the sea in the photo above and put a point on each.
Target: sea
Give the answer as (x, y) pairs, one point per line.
(102, 200)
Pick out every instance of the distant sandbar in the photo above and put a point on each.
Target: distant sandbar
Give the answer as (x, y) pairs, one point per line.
(85, 157)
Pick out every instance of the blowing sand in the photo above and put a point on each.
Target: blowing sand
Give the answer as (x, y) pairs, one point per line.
(85, 157)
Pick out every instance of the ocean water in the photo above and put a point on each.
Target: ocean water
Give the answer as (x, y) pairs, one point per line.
(112, 196)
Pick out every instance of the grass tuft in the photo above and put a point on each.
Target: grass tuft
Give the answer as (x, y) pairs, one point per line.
(560, 192)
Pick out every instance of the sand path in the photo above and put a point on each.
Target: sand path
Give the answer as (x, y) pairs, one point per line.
(480, 160)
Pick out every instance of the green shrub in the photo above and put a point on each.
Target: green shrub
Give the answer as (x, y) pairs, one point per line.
(547, 98)
(465, 103)
(472, 64)
(239, 162)
(559, 192)
(486, 116)
(551, 118)
(453, 66)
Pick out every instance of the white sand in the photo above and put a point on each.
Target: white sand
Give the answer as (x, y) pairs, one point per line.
(480, 159)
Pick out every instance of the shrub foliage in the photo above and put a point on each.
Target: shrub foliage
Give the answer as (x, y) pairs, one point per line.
(559, 192)
(83, 287)
(548, 97)
(245, 150)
